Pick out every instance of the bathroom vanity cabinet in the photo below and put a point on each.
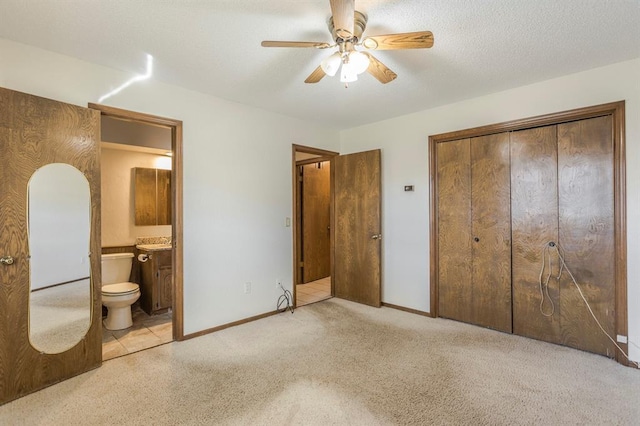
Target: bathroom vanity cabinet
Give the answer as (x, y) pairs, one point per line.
(157, 281)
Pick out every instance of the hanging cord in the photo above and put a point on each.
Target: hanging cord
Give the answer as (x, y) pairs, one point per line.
(549, 247)
(544, 286)
(286, 300)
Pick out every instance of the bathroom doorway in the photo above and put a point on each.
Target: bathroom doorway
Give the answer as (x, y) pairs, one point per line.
(141, 167)
(312, 199)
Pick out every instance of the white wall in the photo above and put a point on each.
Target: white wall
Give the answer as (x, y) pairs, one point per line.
(118, 218)
(404, 144)
(237, 178)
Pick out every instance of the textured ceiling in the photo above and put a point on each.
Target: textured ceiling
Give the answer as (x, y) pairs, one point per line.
(481, 46)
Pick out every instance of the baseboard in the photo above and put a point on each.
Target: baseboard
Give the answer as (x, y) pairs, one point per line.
(413, 311)
(231, 324)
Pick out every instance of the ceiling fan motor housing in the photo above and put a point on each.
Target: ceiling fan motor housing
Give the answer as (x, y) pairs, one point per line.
(360, 23)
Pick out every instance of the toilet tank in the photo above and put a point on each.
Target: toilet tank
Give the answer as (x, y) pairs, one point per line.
(116, 267)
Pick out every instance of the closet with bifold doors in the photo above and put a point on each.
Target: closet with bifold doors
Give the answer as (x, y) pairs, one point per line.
(519, 215)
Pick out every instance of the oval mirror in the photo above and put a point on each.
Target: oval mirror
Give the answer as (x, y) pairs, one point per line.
(59, 226)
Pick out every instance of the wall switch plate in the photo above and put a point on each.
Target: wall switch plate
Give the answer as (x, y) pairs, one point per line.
(247, 287)
(621, 339)
(287, 222)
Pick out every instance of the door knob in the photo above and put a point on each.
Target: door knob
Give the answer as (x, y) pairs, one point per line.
(6, 260)
(376, 237)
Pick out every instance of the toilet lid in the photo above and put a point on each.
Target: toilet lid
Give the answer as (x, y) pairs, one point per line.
(120, 288)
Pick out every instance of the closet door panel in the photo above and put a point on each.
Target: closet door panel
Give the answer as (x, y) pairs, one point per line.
(585, 197)
(454, 225)
(491, 231)
(534, 223)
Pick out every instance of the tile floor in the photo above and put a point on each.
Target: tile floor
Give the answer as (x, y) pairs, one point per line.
(147, 332)
(312, 292)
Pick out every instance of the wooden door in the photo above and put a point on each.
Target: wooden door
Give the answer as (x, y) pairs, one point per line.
(562, 192)
(454, 230)
(145, 198)
(315, 208)
(474, 240)
(163, 202)
(534, 216)
(491, 232)
(34, 132)
(586, 231)
(357, 227)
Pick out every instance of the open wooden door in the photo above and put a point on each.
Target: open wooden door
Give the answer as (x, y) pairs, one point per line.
(316, 202)
(357, 227)
(34, 133)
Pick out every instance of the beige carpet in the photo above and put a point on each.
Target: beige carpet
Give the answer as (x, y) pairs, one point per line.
(336, 362)
(59, 316)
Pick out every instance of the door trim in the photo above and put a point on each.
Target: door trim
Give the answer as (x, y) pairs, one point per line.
(323, 155)
(617, 111)
(177, 201)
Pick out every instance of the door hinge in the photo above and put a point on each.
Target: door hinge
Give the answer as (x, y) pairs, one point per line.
(301, 265)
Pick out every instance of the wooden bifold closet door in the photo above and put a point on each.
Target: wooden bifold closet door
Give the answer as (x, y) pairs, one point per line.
(562, 192)
(503, 198)
(474, 231)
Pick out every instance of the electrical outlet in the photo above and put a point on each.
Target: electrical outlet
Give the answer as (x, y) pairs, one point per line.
(247, 287)
(278, 283)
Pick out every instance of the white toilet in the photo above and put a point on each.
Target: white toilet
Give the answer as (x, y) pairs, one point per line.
(117, 293)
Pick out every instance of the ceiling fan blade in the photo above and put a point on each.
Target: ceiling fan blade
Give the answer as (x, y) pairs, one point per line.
(316, 44)
(380, 70)
(417, 40)
(315, 76)
(343, 12)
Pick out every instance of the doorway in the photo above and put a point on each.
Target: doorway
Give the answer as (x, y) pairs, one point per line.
(355, 221)
(312, 224)
(144, 146)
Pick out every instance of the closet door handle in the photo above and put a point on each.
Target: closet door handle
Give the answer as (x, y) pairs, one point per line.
(6, 260)
(476, 239)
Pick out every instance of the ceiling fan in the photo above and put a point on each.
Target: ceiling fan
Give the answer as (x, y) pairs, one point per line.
(346, 27)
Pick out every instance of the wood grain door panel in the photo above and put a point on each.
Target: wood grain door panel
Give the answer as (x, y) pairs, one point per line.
(316, 203)
(534, 223)
(145, 197)
(163, 203)
(34, 132)
(357, 218)
(454, 230)
(491, 232)
(586, 228)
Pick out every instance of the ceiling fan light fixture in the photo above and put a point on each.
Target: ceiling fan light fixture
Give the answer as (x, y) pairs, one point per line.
(348, 73)
(359, 61)
(331, 64)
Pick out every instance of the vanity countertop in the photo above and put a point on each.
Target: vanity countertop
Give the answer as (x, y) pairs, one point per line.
(154, 247)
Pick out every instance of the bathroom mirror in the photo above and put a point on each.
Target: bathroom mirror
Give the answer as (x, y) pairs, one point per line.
(152, 196)
(59, 229)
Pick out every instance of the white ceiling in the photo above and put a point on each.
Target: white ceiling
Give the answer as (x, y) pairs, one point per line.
(481, 46)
